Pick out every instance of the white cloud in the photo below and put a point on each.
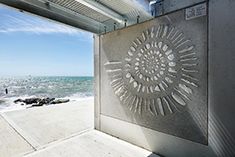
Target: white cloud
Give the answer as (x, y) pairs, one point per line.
(12, 21)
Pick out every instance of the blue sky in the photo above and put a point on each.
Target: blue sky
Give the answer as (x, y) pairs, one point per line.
(30, 45)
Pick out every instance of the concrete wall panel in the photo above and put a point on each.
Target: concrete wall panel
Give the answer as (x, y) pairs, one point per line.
(155, 75)
(221, 100)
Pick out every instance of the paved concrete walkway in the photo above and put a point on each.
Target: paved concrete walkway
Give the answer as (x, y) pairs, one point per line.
(44, 125)
(64, 130)
(92, 144)
(11, 143)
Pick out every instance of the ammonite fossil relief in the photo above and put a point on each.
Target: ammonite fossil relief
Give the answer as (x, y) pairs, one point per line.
(158, 75)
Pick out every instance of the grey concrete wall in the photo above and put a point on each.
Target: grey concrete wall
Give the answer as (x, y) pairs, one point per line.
(172, 5)
(97, 81)
(221, 98)
(221, 77)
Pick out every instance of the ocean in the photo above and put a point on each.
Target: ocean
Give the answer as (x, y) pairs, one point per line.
(69, 87)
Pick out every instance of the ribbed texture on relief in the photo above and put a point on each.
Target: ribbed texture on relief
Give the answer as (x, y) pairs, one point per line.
(159, 73)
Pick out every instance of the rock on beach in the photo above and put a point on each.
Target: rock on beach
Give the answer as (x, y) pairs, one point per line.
(41, 101)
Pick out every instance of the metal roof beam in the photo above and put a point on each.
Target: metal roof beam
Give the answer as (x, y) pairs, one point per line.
(53, 12)
(103, 10)
(141, 5)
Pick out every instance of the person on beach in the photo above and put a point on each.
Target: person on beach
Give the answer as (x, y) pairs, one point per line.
(6, 90)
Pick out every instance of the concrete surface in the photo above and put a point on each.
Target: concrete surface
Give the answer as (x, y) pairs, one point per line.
(92, 144)
(221, 77)
(43, 125)
(11, 143)
(221, 100)
(64, 130)
(121, 99)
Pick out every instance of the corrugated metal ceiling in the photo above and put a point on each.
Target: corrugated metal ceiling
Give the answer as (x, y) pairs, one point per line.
(81, 9)
(127, 9)
(121, 7)
(97, 16)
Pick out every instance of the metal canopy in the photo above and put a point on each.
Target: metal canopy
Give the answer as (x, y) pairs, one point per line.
(96, 16)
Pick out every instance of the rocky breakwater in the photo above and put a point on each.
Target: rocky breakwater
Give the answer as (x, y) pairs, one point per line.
(40, 101)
